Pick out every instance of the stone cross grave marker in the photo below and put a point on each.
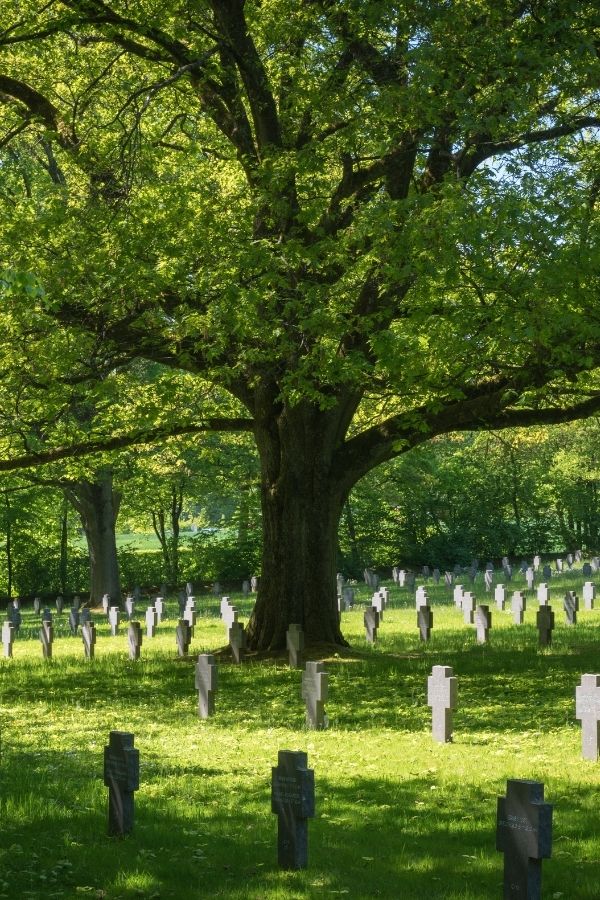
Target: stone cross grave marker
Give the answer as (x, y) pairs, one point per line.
(425, 571)
(537, 561)
(410, 580)
(547, 572)
(421, 598)
(448, 579)
(183, 636)
(543, 594)
(129, 608)
(151, 621)
(578, 555)
(237, 641)
(189, 614)
(530, 578)
(85, 615)
(216, 588)
(436, 575)
(570, 560)
(371, 623)
(348, 597)
(589, 594)
(483, 623)
(587, 710)
(182, 602)
(507, 569)
(315, 685)
(159, 606)
(88, 635)
(545, 625)
(254, 583)
(8, 637)
(114, 618)
(378, 603)
(442, 696)
(518, 606)
(468, 607)
(189, 589)
(73, 620)
(206, 684)
(60, 603)
(229, 615)
(245, 587)
(134, 639)
(14, 615)
(488, 577)
(293, 802)
(586, 570)
(122, 778)
(559, 565)
(46, 615)
(294, 640)
(570, 606)
(524, 835)
(37, 603)
(424, 622)
(458, 595)
(500, 596)
(47, 638)
(105, 603)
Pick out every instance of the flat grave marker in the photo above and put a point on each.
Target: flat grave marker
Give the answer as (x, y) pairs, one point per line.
(524, 835)
(122, 778)
(293, 801)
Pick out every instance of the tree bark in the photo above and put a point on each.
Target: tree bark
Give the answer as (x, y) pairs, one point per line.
(302, 499)
(64, 523)
(98, 505)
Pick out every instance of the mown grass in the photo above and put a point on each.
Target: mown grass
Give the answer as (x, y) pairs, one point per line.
(397, 815)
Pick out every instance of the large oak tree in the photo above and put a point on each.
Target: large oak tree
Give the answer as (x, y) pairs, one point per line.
(367, 222)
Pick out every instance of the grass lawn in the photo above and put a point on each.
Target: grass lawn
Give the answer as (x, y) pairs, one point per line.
(397, 816)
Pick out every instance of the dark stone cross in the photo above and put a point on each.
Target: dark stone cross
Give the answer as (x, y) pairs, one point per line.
(85, 615)
(134, 639)
(46, 615)
(237, 641)
(315, 682)
(122, 778)
(14, 615)
(570, 606)
(483, 623)
(8, 636)
(518, 606)
(294, 640)
(113, 620)
(547, 572)
(586, 570)
(183, 636)
(371, 621)
(293, 801)
(524, 835)
(424, 622)
(442, 696)
(545, 625)
(206, 684)
(47, 638)
(88, 635)
(587, 710)
(73, 620)
(151, 621)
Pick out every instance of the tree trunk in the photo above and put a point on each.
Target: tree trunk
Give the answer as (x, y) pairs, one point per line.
(64, 534)
(301, 501)
(98, 506)
(9, 559)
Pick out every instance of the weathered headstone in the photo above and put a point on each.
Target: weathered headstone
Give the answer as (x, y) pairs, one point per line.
(458, 595)
(507, 570)
(468, 608)
(524, 835)
(189, 614)
(500, 596)
(60, 604)
(46, 615)
(206, 684)
(122, 778)
(518, 605)
(137, 593)
(371, 622)
(245, 587)
(47, 638)
(294, 640)
(183, 636)
(378, 603)
(448, 579)
(537, 561)
(129, 608)
(409, 581)
(547, 572)
(14, 615)
(543, 594)
(340, 582)
(88, 635)
(216, 588)
(587, 710)
(229, 615)
(488, 577)
(85, 615)
(570, 560)
(315, 683)
(348, 597)
(189, 589)
(424, 622)
(105, 603)
(436, 575)
(293, 801)
(237, 641)
(151, 621)
(114, 617)
(483, 623)
(570, 606)
(442, 696)
(159, 606)
(589, 594)
(254, 584)
(530, 578)
(182, 602)
(578, 555)
(545, 625)
(559, 565)
(73, 620)
(134, 639)
(421, 598)
(8, 637)
(425, 571)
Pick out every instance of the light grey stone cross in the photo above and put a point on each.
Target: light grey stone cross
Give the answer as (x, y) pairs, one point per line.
(442, 696)
(587, 710)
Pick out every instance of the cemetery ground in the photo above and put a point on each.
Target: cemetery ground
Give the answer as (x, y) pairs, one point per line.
(397, 815)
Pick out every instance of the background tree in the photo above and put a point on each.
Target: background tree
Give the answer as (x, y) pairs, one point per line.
(369, 223)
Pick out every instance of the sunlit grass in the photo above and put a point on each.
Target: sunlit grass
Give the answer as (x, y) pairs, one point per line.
(397, 815)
